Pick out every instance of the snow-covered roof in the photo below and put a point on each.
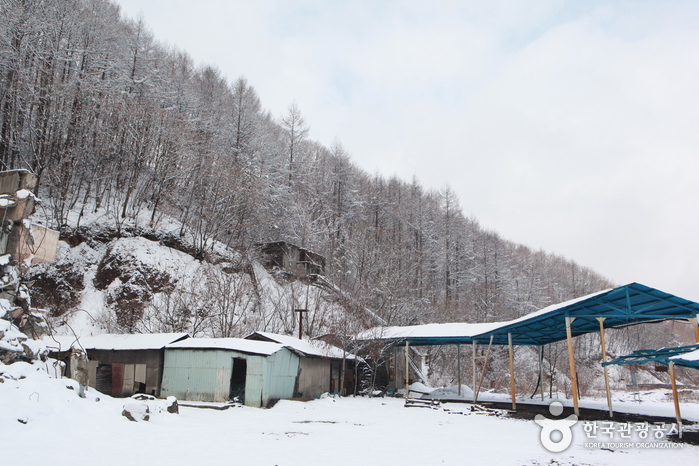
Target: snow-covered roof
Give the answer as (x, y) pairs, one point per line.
(140, 341)
(456, 329)
(235, 344)
(621, 306)
(313, 348)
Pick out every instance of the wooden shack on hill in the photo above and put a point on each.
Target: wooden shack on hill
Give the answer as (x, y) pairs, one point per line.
(119, 365)
(320, 365)
(289, 258)
(257, 373)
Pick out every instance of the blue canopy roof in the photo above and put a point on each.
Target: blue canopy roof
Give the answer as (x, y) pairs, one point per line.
(625, 305)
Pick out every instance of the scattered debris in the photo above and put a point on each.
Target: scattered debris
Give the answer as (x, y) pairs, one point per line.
(420, 403)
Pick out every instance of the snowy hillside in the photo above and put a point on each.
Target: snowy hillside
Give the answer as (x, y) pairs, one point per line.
(140, 280)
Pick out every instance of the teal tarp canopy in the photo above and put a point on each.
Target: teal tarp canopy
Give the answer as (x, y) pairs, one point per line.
(622, 306)
(626, 305)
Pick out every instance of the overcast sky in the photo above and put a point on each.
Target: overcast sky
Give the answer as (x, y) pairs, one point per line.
(570, 126)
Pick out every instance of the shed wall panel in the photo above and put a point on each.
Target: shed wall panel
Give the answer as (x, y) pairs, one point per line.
(282, 370)
(205, 375)
(254, 381)
(314, 378)
(196, 375)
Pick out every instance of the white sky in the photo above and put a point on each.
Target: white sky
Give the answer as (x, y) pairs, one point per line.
(563, 125)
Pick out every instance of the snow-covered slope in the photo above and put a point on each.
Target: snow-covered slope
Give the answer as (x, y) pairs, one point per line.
(143, 280)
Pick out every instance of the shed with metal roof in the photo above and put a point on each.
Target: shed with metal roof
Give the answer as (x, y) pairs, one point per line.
(320, 364)
(118, 364)
(257, 373)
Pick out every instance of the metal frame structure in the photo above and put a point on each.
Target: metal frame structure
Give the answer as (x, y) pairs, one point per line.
(670, 357)
(623, 306)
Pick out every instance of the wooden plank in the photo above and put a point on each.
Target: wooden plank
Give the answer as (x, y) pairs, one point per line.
(140, 373)
(512, 371)
(129, 370)
(485, 365)
(571, 362)
(473, 365)
(92, 372)
(695, 325)
(117, 379)
(604, 359)
(541, 371)
(675, 398)
(407, 370)
(458, 367)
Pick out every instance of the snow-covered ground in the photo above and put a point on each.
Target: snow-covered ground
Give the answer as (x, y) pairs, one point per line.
(43, 422)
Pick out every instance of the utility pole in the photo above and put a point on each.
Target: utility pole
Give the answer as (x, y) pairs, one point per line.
(300, 311)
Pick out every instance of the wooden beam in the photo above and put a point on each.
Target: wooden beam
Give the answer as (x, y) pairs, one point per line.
(512, 371)
(473, 383)
(604, 359)
(541, 371)
(407, 371)
(675, 398)
(571, 362)
(485, 364)
(693, 321)
(458, 367)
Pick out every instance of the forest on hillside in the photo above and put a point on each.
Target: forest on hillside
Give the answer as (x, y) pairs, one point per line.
(108, 118)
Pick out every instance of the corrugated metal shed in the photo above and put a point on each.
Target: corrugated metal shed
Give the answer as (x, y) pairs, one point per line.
(119, 364)
(320, 364)
(202, 369)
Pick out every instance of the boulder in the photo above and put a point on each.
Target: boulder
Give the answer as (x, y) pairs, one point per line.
(137, 411)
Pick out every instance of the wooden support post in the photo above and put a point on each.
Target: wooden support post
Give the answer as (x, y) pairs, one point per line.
(512, 371)
(473, 384)
(675, 398)
(541, 371)
(693, 321)
(485, 364)
(604, 359)
(571, 362)
(407, 371)
(458, 367)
